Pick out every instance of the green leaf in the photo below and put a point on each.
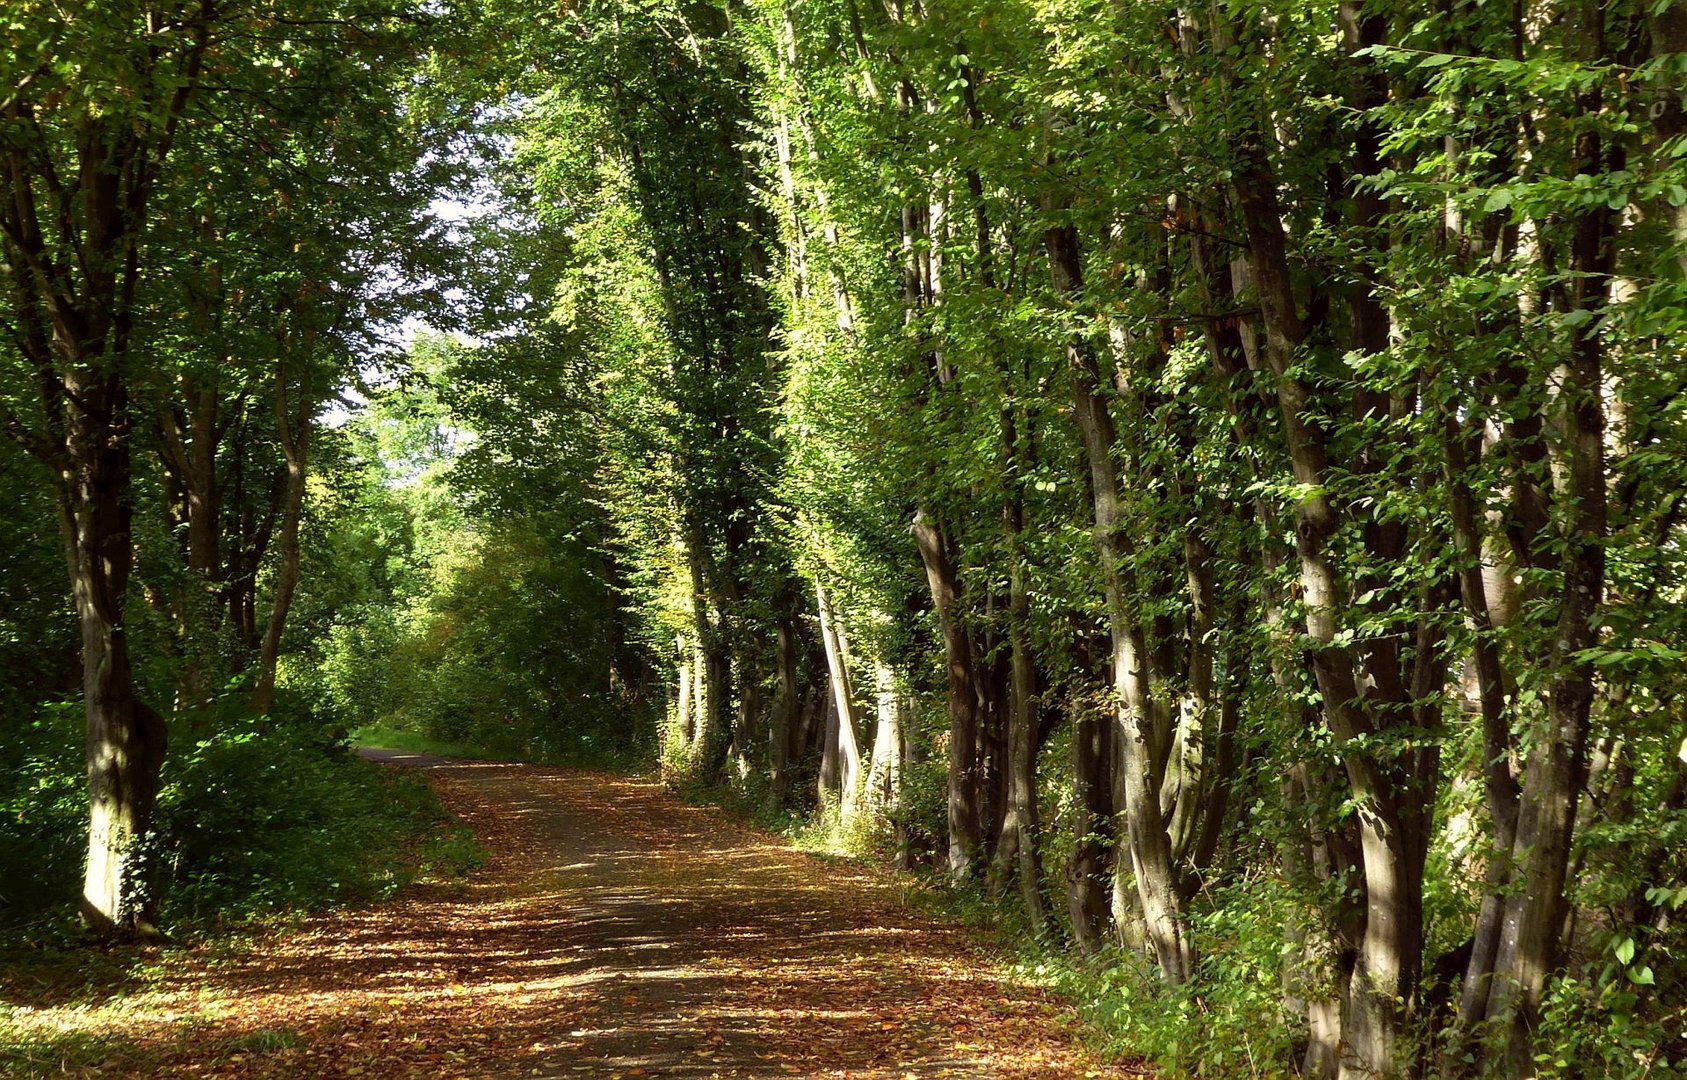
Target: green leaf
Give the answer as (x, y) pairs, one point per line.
(1498, 199)
(1625, 950)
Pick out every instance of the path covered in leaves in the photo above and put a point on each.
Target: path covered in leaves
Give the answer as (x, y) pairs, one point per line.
(617, 932)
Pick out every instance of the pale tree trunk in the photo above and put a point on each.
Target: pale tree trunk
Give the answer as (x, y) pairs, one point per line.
(843, 693)
(884, 770)
(699, 698)
(963, 850)
(1148, 848)
(712, 679)
(1500, 784)
(685, 698)
(126, 738)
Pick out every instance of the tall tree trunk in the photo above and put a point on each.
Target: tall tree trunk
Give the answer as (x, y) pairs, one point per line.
(843, 693)
(293, 429)
(126, 738)
(884, 772)
(783, 729)
(1147, 844)
(1087, 884)
(1022, 817)
(1383, 986)
(963, 851)
(1018, 849)
(685, 698)
(1530, 941)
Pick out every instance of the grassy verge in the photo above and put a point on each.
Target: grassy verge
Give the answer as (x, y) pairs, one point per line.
(382, 737)
(387, 737)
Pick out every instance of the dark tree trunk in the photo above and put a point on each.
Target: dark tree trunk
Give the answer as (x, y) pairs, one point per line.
(1087, 886)
(783, 728)
(293, 429)
(1530, 941)
(126, 738)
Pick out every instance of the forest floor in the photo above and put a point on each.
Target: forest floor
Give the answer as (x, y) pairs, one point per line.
(615, 931)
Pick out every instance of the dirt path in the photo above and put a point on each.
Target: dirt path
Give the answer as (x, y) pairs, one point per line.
(617, 932)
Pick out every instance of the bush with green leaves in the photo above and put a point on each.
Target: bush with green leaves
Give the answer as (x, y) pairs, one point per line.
(43, 821)
(256, 816)
(254, 820)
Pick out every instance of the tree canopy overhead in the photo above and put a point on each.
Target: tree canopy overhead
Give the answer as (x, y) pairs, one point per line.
(1208, 476)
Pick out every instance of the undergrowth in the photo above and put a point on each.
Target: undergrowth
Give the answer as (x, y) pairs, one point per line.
(254, 818)
(258, 824)
(579, 753)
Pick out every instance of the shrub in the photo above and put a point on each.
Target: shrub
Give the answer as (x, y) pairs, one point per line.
(257, 817)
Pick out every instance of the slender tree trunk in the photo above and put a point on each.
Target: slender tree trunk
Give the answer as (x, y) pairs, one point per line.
(884, 773)
(684, 697)
(963, 850)
(1022, 817)
(1148, 846)
(785, 713)
(1501, 786)
(829, 783)
(843, 693)
(1383, 986)
(294, 433)
(1018, 848)
(1087, 885)
(1530, 944)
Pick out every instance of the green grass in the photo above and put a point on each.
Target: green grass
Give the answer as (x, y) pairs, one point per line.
(381, 736)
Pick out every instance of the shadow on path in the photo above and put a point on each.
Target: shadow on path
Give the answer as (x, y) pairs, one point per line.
(618, 932)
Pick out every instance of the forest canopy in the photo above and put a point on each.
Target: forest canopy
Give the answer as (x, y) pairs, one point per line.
(1208, 479)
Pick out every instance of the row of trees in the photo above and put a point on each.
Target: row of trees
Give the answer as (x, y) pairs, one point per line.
(204, 208)
(1212, 444)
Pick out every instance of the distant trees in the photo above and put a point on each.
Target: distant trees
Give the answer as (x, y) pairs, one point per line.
(1209, 473)
(1273, 410)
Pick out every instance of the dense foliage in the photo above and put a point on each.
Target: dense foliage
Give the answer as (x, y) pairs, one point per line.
(1210, 474)
(1208, 478)
(205, 210)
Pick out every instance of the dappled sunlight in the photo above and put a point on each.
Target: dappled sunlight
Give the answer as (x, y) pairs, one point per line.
(614, 932)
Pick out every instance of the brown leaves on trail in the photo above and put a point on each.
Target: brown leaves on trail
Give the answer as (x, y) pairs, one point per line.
(615, 933)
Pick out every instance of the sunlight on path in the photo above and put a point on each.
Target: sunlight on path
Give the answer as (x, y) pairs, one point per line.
(615, 932)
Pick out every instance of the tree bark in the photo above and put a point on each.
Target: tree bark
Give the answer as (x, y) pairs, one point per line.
(293, 430)
(1087, 885)
(1530, 943)
(963, 848)
(1149, 847)
(843, 695)
(126, 738)
(884, 772)
(785, 713)
(1383, 986)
